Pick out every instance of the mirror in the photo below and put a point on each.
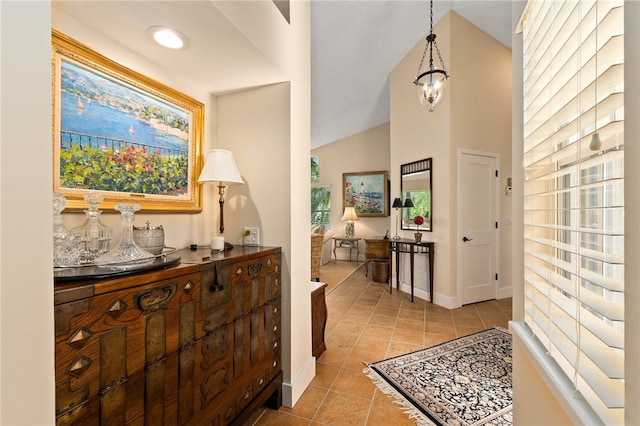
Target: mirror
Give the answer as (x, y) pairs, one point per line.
(415, 184)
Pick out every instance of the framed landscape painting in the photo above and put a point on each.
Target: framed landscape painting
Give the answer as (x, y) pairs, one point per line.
(368, 192)
(120, 133)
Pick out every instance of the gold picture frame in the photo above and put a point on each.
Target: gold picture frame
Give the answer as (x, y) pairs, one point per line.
(121, 133)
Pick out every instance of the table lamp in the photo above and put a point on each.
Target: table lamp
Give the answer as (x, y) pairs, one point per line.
(220, 167)
(397, 204)
(350, 215)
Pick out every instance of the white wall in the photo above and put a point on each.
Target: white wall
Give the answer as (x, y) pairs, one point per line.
(26, 269)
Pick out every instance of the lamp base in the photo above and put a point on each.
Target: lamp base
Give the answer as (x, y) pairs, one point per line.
(349, 230)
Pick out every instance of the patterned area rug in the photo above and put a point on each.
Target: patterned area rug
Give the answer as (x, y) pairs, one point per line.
(466, 381)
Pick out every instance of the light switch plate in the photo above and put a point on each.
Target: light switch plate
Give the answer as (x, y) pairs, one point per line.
(251, 236)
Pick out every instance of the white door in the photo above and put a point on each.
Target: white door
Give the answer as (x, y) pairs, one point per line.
(478, 226)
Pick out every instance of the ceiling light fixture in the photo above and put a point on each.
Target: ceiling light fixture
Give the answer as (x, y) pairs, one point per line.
(432, 81)
(168, 37)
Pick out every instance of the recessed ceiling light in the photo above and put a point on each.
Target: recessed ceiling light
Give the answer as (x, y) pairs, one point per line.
(168, 37)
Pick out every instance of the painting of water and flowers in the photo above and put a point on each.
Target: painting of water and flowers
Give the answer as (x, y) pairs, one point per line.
(120, 133)
(368, 192)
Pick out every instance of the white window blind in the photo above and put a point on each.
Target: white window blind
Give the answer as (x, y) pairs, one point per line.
(574, 205)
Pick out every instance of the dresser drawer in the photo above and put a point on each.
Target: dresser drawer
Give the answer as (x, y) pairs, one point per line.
(103, 340)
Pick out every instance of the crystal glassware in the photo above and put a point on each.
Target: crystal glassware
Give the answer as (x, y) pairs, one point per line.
(66, 250)
(126, 254)
(95, 237)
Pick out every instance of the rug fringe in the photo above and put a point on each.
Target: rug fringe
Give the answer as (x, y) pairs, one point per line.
(398, 399)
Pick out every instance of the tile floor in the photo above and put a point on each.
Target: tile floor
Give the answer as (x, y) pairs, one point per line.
(366, 324)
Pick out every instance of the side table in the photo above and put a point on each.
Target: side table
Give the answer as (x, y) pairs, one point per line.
(375, 249)
(346, 242)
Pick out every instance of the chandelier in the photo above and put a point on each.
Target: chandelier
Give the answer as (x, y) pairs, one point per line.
(432, 81)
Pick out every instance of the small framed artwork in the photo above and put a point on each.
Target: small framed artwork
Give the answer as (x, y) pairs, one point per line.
(368, 192)
(121, 133)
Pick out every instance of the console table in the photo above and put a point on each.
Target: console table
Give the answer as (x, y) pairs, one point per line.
(412, 247)
(346, 242)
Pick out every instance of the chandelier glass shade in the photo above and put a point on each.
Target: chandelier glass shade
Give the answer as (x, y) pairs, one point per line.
(431, 81)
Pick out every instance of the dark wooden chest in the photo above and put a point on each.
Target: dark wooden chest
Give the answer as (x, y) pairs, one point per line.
(196, 343)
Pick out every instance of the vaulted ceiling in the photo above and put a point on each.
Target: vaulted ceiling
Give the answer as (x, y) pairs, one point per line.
(354, 46)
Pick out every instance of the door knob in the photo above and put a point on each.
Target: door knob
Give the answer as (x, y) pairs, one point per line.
(465, 239)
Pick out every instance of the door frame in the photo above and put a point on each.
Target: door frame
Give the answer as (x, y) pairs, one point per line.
(496, 159)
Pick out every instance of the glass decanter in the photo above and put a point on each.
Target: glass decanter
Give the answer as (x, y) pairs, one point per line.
(95, 237)
(66, 250)
(126, 254)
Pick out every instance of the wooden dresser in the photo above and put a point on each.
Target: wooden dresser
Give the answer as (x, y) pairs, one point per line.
(190, 344)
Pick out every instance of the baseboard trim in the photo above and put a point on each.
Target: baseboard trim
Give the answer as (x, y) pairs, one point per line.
(291, 392)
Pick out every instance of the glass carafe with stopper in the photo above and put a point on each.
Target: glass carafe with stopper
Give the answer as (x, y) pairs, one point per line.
(95, 237)
(66, 250)
(126, 254)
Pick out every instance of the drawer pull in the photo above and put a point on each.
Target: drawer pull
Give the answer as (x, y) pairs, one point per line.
(269, 262)
(274, 364)
(275, 328)
(275, 310)
(261, 381)
(239, 271)
(276, 282)
(275, 345)
(154, 299)
(247, 395)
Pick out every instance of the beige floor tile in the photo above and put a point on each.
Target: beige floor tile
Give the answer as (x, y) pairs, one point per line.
(343, 409)
(358, 360)
(346, 327)
(309, 402)
(335, 356)
(373, 330)
(354, 382)
(387, 312)
(382, 321)
(371, 344)
(325, 375)
(410, 324)
(415, 337)
(417, 315)
(385, 413)
(281, 418)
(432, 339)
(341, 340)
(400, 348)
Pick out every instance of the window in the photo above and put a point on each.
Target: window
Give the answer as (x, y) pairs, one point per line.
(320, 197)
(573, 196)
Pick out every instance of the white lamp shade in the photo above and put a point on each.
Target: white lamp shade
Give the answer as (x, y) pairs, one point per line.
(349, 214)
(220, 167)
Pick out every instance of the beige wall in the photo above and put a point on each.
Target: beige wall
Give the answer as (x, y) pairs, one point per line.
(363, 152)
(265, 200)
(471, 116)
